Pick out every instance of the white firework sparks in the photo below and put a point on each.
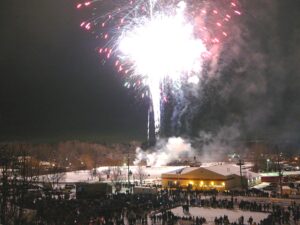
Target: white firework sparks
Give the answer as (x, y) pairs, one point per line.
(162, 46)
(159, 42)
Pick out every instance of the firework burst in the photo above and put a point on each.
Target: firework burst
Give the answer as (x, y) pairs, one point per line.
(159, 41)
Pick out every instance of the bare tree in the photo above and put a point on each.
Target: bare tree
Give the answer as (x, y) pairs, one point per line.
(96, 174)
(56, 173)
(55, 176)
(5, 160)
(116, 177)
(141, 174)
(25, 177)
(16, 177)
(106, 172)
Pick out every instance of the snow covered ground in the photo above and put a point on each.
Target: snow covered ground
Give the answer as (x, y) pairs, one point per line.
(153, 173)
(261, 185)
(211, 213)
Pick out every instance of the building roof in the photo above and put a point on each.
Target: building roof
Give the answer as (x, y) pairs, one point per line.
(184, 170)
(229, 169)
(221, 169)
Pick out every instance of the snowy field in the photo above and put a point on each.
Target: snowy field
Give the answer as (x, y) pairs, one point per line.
(153, 173)
(211, 213)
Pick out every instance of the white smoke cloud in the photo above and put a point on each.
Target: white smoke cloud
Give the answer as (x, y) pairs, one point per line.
(165, 152)
(210, 147)
(215, 147)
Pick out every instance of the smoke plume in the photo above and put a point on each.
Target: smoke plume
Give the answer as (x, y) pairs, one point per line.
(254, 84)
(166, 151)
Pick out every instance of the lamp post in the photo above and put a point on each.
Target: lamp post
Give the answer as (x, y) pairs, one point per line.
(177, 184)
(280, 172)
(268, 161)
(128, 173)
(240, 164)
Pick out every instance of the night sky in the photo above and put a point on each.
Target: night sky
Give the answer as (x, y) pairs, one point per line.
(53, 83)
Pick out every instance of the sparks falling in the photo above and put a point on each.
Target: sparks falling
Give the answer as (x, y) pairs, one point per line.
(160, 41)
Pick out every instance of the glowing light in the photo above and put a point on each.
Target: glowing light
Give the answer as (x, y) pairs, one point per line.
(160, 47)
(163, 47)
(88, 26)
(237, 12)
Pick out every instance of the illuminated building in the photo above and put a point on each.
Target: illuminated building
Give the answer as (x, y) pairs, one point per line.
(219, 177)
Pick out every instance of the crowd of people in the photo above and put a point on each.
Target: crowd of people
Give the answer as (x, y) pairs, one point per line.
(142, 209)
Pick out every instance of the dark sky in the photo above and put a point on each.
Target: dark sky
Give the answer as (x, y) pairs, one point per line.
(52, 82)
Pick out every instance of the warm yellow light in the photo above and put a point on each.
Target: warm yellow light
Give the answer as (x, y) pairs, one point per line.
(191, 182)
(212, 183)
(175, 182)
(201, 183)
(223, 183)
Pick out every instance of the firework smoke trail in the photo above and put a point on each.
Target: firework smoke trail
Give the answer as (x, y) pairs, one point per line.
(160, 41)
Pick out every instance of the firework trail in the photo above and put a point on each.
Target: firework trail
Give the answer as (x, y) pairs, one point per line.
(159, 42)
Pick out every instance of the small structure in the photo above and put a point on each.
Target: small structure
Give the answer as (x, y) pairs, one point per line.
(219, 177)
(287, 176)
(93, 190)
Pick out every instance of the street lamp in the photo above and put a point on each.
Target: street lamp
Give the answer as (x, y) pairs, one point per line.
(128, 172)
(268, 160)
(240, 164)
